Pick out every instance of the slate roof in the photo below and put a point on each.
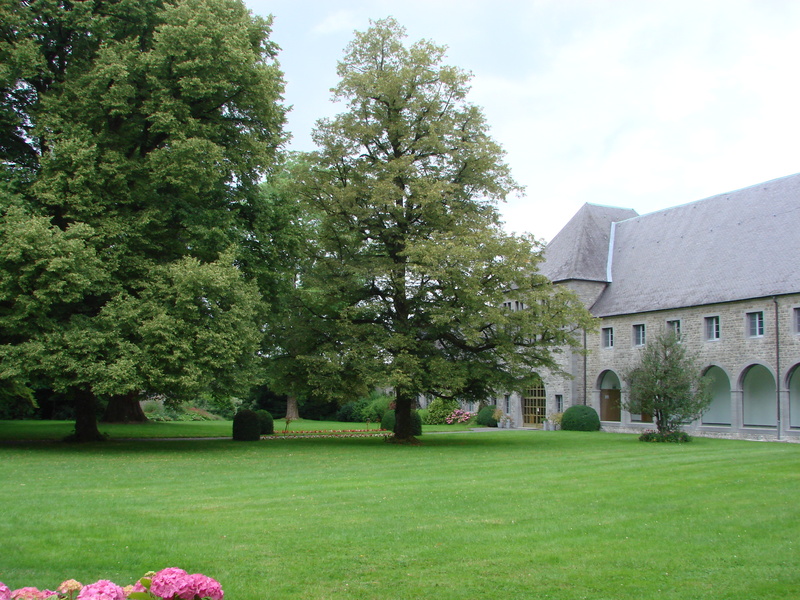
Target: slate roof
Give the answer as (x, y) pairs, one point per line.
(734, 246)
(580, 250)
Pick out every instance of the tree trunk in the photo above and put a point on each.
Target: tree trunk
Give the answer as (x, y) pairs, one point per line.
(404, 402)
(292, 412)
(86, 417)
(124, 409)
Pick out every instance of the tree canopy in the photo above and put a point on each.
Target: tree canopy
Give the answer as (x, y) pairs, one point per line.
(412, 267)
(667, 383)
(134, 137)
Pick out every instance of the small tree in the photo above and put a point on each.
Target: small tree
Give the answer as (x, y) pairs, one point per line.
(667, 384)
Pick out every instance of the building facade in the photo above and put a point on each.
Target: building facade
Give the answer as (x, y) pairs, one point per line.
(723, 273)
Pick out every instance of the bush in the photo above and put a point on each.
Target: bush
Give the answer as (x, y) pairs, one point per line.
(246, 426)
(389, 420)
(266, 422)
(439, 409)
(667, 436)
(351, 412)
(580, 418)
(374, 407)
(486, 416)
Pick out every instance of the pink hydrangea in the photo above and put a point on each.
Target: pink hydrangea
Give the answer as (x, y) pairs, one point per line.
(201, 586)
(102, 590)
(31, 593)
(5, 593)
(168, 583)
(69, 587)
(136, 587)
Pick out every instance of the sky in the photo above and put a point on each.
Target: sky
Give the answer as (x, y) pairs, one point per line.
(641, 104)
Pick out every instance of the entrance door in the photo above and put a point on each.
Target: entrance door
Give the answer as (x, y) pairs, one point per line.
(534, 405)
(609, 405)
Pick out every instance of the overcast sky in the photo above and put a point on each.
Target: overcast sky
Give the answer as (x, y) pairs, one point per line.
(642, 104)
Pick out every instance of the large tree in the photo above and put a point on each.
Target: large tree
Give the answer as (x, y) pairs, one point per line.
(412, 261)
(134, 137)
(666, 382)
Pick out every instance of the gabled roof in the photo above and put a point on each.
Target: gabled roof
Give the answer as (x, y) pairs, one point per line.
(580, 250)
(735, 246)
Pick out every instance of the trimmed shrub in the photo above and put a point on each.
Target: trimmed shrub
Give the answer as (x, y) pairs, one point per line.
(246, 426)
(266, 422)
(580, 418)
(439, 409)
(667, 436)
(486, 416)
(389, 420)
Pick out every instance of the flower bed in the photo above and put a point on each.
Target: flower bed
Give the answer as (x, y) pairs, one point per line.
(327, 433)
(167, 584)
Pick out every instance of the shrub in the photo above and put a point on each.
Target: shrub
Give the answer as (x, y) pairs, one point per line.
(389, 420)
(580, 418)
(439, 409)
(667, 436)
(246, 426)
(352, 411)
(266, 422)
(486, 416)
(374, 407)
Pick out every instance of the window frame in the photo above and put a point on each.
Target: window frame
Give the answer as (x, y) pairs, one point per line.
(674, 325)
(607, 337)
(715, 334)
(796, 313)
(639, 335)
(754, 322)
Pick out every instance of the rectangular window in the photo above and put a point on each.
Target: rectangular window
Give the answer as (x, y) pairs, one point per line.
(639, 335)
(797, 320)
(712, 328)
(559, 403)
(755, 324)
(608, 337)
(674, 326)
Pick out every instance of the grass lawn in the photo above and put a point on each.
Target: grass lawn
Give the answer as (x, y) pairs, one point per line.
(58, 430)
(507, 514)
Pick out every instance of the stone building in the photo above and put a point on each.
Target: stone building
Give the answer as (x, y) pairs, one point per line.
(723, 272)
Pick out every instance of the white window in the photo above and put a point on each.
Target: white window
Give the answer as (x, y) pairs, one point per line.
(608, 337)
(674, 326)
(755, 324)
(639, 335)
(712, 328)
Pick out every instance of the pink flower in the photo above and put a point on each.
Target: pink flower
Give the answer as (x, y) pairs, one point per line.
(102, 590)
(31, 593)
(201, 586)
(69, 587)
(5, 593)
(169, 582)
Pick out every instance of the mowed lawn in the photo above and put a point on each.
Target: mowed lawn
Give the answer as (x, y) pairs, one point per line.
(507, 514)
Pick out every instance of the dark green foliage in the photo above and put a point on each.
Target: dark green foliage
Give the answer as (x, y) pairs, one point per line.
(246, 426)
(266, 421)
(486, 416)
(669, 436)
(390, 419)
(580, 418)
(350, 412)
(439, 409)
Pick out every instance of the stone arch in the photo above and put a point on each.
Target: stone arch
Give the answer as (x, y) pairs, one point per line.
(719, 411)
(793, 385)
(610, 387)
(759, 408)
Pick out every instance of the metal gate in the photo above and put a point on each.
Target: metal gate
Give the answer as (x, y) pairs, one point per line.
(534, 405)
